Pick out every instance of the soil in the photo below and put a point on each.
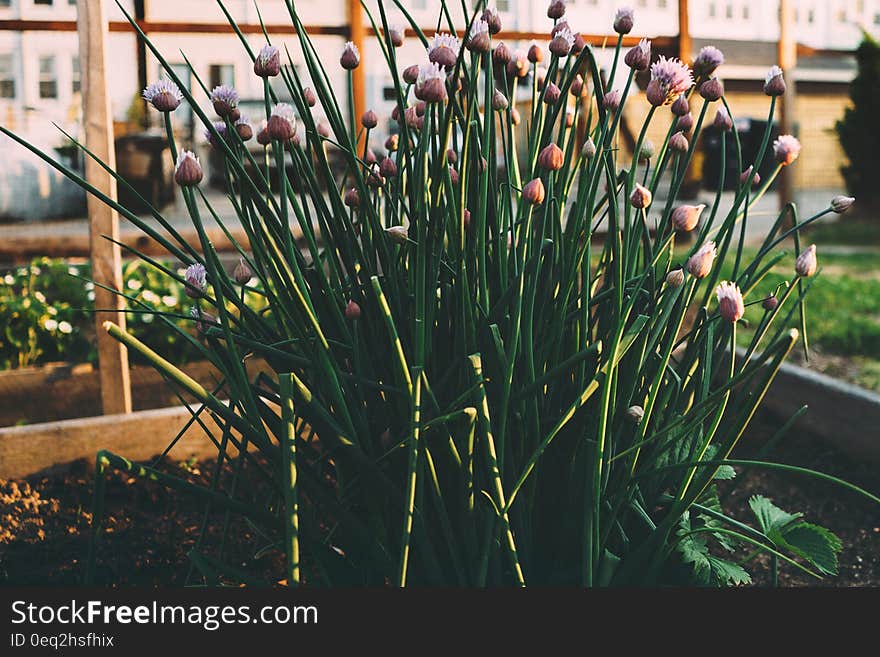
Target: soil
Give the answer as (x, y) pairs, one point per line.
(44, 522)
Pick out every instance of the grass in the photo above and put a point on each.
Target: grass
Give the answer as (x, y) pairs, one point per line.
(855, 232)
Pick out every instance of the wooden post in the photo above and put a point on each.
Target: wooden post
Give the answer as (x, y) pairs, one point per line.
(685, 44)
(787, 56)
(357, 32)
(105, 255)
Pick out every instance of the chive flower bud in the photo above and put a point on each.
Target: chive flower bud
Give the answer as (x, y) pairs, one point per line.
(770, 302)
(533, 192)
(478, 37)
(268, 62)
(774, 83)
(700, 263)
(164, 95)
(841, 204)
(675, 277)
(730, 302)
(397, 234)
(225, 100)
(196, 281)
(635, 414)
(623, 20)
(309, 97)
(641, 197)
(535, 54)
(369, 120)
(493, 20)
(350, 58)
(411, 74)
(678, 142)
(242, 272)
(396, 35)
(712, 89)
(680, 106)
(551, 157)
(805, 265)
(282, 123)
(352, 310)
(786, 149)
(686, 217)
(638, 58)
(707, 60)
(722, 120)
(431, 83)
(556, 10)
(188, 171)
(443, 50)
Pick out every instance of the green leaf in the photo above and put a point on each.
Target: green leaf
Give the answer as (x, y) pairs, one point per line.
(726, 573)
(770, 517)
(708, 570)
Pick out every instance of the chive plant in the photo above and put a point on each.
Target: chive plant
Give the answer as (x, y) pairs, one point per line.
(488, 361)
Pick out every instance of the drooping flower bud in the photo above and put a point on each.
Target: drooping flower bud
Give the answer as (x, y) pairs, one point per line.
(678, 142)
(350, 58)
(774, 83)
(352, 311)
(188, 171)
(700, 263)
(638, 58)
(195, 281)
(686, 217)
(675, 277)
(556, 10)
(411, 74)
(397, 234)
(712, 89)
(770, 302)
(641, 197)
(164, 95)
(786, 149)
(806, 264)
(635, 414)
(268, 62)
(730, 302)
(551, 157)
(224, 100)
(533, 192)
(841, 204)
(242, 272)
(623, 20)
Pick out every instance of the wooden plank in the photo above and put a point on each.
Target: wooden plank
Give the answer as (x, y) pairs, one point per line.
(357, 33)
(35, 448)
(685, 44)
(106, 256)
(787, 56)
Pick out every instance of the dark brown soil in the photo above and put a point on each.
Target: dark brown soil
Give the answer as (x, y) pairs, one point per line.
(44, 523)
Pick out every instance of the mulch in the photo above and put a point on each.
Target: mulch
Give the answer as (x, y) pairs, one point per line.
(44, 523)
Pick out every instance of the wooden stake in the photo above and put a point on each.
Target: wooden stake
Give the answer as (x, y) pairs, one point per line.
(357, 34)
(685, 44)
(787, 55)
(106, 256)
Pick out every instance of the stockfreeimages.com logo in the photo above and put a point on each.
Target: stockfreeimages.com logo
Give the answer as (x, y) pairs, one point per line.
(209, 617)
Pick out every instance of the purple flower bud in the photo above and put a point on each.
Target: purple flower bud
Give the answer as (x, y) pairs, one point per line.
(577, 86)
(392, 143)
(722, 119)
(164, 95)
(451, 156)
(492, 18)
(388, 168)
(680, 107)
(841, 204)
(745, 175)
(551, 157)
(282, 123)
(244, 129)
(499, 101)
(431, 83)
(196, 281)
(478, 37)
(686, 217)
(556, 10)
(646, 152)
(375, 178)
(188, 171)
(611, 100)
(533, 192)
(225, 100)
(220, 129)
(774, 83)
(268, 62)
(323, 129)
(707, 60)
(623, 20)
(552, 94)
(369, 120)
(700, 263)
(675, 277)
(397, 234)
(589, 149)
(352, 199)
(641, 197)
(443, 50)
(453, 175)
(242, 272)
(562, 42)
(204, 320)
(411, 74)
(730, 302)
(770, 302)
(501, 55)
(263, 135)
(786, 149)
(685, 122)
(712, 89)
(351, 56)
(514, 116)
(638, 58)
(396, 35)
(309, 97)
(678, 142)
(352, 311)
(535, 54)
(806, 264)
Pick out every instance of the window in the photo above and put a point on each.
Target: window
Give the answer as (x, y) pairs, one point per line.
(48, 77)
(502, 5)
(7, 76)
(221, 74)
(661, 4)
(811, 16)
(711, 10)
(47, 3)
(876, 19)
(745, 12)
(728, 11)
(5, 3)
(75, 75)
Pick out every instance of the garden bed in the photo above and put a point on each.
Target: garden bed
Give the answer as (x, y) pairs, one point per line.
(150, 530)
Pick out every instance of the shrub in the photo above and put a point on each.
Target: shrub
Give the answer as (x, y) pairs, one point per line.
(464, 387)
